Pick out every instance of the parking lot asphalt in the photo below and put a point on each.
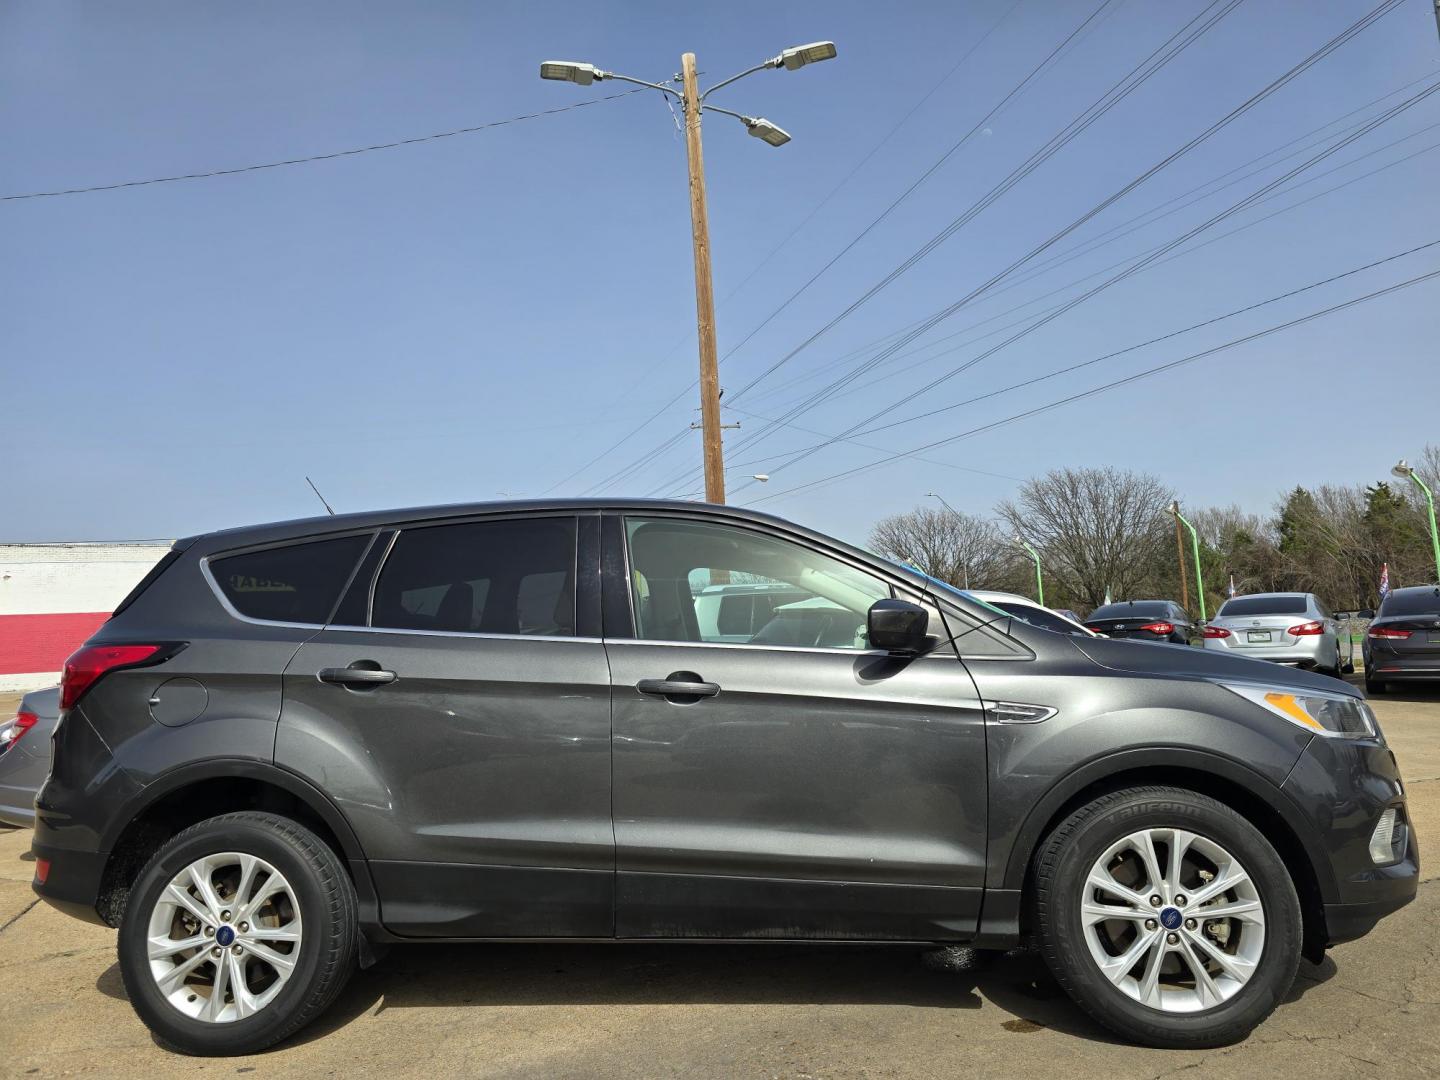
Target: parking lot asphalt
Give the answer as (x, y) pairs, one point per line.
(1371, 1009)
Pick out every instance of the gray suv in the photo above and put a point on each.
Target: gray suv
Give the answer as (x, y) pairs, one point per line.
(294, 743)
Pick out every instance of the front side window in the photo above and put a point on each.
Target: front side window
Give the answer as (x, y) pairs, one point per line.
(297, 583)
(1045, 620)
(484, 577)
(703, 582)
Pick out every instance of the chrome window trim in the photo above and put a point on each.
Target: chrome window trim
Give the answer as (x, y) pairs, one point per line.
(402, 632)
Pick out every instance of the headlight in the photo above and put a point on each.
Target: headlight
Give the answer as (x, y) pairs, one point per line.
(1335, 715)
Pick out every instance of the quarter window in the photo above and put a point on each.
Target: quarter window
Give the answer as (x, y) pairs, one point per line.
(297, 583)
(697, 581)
(488, 577)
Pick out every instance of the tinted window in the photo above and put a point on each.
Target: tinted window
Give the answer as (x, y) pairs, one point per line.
(487, 577)
(681, 570)
(1264, 605)
(1137, 609)
(1411, 602)
(1038, 617)
(297, 583)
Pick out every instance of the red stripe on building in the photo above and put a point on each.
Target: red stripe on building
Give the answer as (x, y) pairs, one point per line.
(42, 642)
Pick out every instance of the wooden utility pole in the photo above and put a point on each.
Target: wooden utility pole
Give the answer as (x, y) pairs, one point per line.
(1184, 578)
(704, 290)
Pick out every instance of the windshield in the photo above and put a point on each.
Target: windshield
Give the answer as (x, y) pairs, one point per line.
(1274, 604)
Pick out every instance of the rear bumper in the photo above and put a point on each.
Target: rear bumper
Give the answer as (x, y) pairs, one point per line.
(72, 880)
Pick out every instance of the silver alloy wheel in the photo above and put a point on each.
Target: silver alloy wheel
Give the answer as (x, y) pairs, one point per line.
(224, 937)
(1173, 920)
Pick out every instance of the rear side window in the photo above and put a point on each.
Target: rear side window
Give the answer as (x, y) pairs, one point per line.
(1264, 605)
(297, 583)
(485, 577)
(1406, 602)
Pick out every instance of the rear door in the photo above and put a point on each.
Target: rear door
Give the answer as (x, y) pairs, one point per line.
(462, 724)
(795, 785)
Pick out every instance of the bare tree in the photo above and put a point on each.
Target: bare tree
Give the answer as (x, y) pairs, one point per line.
(951, 546)
(1096, 529)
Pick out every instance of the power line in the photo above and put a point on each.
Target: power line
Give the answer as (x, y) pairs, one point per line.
(1106, 387)
(1314, 57)
(320, 157)
(1040, 271)
(1097, 109)
(1070, 369)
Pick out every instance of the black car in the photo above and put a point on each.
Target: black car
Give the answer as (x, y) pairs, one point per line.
(1143, 620)
(294, 743)
(1403, 642)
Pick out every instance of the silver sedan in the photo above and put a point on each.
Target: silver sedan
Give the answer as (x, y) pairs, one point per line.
(25, 754)
(1286, 628)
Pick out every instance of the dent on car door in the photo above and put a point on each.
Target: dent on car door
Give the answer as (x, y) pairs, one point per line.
(799, 785)
(463, 726)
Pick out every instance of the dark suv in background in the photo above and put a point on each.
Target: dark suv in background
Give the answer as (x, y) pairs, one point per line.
(295, 742)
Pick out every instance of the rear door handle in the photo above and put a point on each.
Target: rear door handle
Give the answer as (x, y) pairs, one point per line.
(677, 688)
(356, 676)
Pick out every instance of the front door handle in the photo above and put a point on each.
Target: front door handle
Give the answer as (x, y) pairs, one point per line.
(687, 686)
(360, 677)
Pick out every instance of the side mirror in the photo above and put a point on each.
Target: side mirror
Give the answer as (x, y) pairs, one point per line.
(897, 626)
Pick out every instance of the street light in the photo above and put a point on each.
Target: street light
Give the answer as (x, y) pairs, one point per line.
(569, 71)
(801, 55)
(1039, 582)
(964, 566)
(1174, 508)
(693, 102)
(1402, 470)
(763, 477)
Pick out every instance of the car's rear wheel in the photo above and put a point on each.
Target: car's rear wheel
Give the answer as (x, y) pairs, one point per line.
(1376, 686)
(237, 933)
(1167, 917)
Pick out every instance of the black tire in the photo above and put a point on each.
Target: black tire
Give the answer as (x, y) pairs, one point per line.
(1062, 864)
(326, 953)
(1375, 686)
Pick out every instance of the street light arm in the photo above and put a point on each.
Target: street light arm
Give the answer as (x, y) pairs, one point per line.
(773, 62)
(746, 120)
(641, 82)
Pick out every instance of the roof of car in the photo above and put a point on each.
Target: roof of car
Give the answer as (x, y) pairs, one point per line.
(297, 528)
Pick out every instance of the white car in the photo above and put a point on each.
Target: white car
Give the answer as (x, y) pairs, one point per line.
(1031, 612)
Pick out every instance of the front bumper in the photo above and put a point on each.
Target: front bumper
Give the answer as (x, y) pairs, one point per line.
(1344, 785)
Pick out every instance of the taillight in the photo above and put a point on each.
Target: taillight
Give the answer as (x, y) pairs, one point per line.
(1215, 632)
(1388, 633)
(86, 667)
(1095, 629)
(11, 733)
(1307, 629)
(1162, 628)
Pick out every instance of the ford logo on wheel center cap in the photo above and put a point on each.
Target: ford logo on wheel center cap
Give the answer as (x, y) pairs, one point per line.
(225, 936)
(1170, 918)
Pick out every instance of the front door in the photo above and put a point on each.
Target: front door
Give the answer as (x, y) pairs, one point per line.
(464, 729)
(774, 776)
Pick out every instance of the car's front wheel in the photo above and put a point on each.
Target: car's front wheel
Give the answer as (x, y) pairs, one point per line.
(1167, 916)
(238, 932)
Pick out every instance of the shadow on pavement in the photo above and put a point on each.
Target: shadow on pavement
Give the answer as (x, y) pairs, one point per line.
(489, 975)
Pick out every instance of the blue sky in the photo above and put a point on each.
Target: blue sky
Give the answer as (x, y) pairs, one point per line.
(486, 313)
